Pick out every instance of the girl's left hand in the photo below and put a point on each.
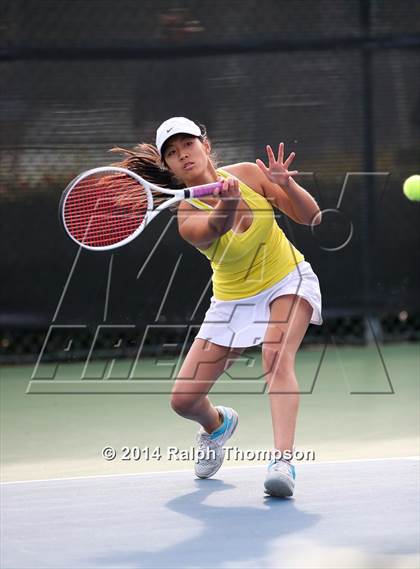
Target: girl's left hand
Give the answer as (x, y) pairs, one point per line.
(278, 171)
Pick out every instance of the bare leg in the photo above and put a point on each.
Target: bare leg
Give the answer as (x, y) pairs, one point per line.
(204, 364)
(289, 319)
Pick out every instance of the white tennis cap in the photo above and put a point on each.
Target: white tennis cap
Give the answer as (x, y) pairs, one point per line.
(175, 125)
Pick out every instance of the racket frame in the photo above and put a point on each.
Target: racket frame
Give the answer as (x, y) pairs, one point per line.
(151, 213)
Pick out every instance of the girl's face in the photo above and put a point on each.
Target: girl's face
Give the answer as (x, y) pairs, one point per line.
(186, 156)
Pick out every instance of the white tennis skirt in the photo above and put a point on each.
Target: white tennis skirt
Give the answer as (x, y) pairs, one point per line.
(243, 322)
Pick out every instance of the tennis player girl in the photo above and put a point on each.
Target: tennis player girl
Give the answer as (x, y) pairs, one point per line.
(263, 289)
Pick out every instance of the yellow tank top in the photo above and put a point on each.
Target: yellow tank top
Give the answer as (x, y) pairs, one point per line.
(247, 263)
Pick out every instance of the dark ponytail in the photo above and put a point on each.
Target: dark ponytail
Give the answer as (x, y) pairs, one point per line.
(144, 159)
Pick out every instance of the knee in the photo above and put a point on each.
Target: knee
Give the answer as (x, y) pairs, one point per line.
(182, 403)
(277, 363)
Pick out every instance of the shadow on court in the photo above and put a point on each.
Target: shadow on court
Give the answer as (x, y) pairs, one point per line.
(355, 514)
(227, 533)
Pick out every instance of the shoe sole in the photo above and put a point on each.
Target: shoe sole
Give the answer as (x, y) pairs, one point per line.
(232, 429)
(278, 488)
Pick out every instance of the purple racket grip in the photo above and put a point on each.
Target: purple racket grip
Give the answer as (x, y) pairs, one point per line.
(205, 190)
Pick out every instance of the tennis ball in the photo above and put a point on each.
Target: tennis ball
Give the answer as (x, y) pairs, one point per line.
(411, 188)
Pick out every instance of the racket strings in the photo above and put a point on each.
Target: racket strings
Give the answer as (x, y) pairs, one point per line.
(105, 209)
(131, 196)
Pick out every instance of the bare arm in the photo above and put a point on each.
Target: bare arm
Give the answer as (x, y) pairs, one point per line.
(200, 228)
(302, 204)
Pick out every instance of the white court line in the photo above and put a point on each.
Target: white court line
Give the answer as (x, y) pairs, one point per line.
(165, 472)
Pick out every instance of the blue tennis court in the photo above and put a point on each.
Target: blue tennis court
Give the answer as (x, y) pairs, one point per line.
(345, 514)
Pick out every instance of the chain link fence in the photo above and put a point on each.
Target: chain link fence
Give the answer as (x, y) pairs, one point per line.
(337, 81)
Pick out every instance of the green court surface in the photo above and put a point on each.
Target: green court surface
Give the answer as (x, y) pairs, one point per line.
(356, 402)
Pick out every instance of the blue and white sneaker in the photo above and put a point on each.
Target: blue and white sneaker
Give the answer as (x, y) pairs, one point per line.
(280, 479)
(209, 450)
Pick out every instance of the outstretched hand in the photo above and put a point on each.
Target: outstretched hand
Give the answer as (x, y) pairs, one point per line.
(278, 171)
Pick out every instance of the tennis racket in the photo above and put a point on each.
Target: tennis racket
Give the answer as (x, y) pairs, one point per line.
(107, 207)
